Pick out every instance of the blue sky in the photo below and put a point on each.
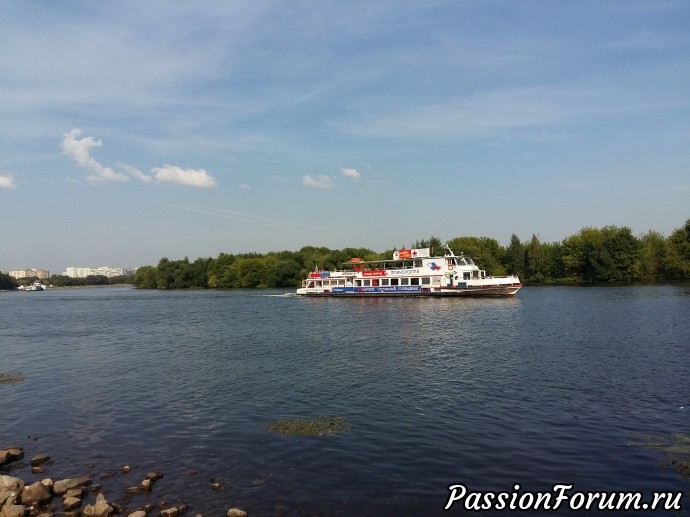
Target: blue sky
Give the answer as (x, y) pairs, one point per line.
(136, 130)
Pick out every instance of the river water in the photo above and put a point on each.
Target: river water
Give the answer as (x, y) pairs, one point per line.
(555, 385)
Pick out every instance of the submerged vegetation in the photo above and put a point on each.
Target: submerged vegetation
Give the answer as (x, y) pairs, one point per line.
(609, 254)
(319, 426)
(11, 377)
(676, 448)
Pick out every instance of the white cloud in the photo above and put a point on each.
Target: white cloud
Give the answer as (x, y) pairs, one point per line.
(79, 151)
(188, 177)
(6, 181)
(136, 173)
(244, 186)
(351, 173)
(321, 181)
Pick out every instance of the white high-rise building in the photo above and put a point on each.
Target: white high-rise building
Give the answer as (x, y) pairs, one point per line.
(83, 272)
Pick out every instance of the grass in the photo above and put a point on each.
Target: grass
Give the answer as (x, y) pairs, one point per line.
(320, 426)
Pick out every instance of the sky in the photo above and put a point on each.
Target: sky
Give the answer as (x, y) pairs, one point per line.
(136, 130)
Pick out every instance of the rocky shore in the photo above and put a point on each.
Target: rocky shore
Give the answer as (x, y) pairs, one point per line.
(81, 496)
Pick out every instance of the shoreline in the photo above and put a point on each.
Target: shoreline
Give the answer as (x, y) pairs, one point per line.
(82, 495)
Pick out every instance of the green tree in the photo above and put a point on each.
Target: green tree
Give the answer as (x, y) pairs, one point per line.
(514, 258)
(7, 282)
(534, 254)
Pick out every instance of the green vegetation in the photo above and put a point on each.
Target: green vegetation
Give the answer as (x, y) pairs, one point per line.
(319, 426)
(676, 447)
(7, 282)
(11, 377)
(609, 254)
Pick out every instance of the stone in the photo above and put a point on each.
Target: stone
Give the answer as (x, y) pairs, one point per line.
(170, 512)
(13, 510)
(11, 484)
(36, 493)
(39, 459)
(77, 492)
(236, 512)
(62, 486)
(100, 509)
(145, 485)
(138, 513)
(8, 497)
(154, 475)
(46, 514)
(38, 470)
(215, 486)
(71, 503)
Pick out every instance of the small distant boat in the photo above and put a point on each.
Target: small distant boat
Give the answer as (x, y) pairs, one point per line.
(411, 272)
(36, 286)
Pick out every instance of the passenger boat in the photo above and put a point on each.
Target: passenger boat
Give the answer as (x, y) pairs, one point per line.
(411, 272)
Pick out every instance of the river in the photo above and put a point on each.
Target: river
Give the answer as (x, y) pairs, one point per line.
(557, 385)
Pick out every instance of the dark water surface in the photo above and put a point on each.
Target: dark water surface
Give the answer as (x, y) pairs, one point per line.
(551, 386)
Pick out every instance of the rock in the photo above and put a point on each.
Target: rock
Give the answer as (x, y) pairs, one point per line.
(145, 485)
(62, 486)
(39, 459)
(77, 492)
(48, 483)
(46, 514)
(13, 510)
(9, 454)
(36, 493)
(8, 497)
(215, 486)
(71, 503)
(170, 512)
(132, 489)
(125, 469)
(138, 513)
(154, 475)
(236, 512)
(100, 509)
(37, 470)
(11, 484)
(96, 487)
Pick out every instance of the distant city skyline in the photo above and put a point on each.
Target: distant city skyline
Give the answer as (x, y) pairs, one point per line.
(136, 131)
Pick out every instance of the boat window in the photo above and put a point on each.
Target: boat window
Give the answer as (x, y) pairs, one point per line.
(404, 281)
(385, 281)
(461, 262)
(466, 275)
(426, 280)
(367, 283)
(414, 281)
(418, 263)
(394, 281)
(374, 283)
(358, 283)
(310, 284)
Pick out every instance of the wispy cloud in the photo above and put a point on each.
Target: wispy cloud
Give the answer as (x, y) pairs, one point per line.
(321, 181)
(246, 218)
(6, 181)
(79, 149)
(244, 186)
(351, 173)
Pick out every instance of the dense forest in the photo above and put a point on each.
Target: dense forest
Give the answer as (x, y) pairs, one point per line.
(609, 254)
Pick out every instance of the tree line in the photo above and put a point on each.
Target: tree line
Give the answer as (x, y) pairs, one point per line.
(8, 282)
(609, 254)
